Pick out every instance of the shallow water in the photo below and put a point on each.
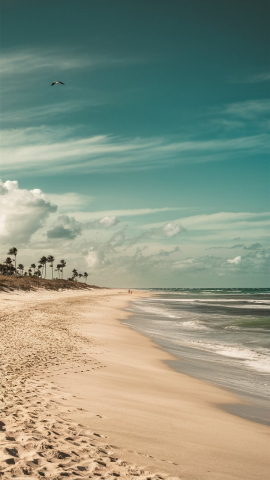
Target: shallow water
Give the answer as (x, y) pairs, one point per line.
(218, 335)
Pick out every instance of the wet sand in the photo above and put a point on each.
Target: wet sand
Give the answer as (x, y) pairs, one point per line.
(86, 396)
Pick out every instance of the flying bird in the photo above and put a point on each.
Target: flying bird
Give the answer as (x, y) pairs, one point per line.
(57, 82)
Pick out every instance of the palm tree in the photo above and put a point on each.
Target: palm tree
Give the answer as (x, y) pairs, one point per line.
(3, 269)
(21, 268)
(13, 251)
(63, 265)
(80, 275)
(58, 268)
(75, 273)
(30, 272)
(8, 263)
(51, 259)
(85, 276)
(43, 262)
(33, 266)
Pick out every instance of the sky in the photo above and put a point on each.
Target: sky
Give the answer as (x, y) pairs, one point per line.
(150, 166)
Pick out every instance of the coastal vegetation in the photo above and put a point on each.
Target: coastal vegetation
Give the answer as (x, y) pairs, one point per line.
(9, 283)
(13, 276)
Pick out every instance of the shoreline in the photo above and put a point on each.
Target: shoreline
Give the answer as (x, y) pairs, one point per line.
(113, 380)
(251, 404)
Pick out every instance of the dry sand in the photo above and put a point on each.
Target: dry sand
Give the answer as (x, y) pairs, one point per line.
(84, 396)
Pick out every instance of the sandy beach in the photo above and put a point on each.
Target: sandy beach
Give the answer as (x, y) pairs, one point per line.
(84, 396)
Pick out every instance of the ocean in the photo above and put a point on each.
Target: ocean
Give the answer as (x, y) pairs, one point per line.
(218, 335)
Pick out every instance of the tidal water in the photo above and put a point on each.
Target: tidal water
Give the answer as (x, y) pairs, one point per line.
(218, 335)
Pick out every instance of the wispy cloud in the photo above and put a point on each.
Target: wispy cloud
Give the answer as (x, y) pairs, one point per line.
(253, 78)
(31, 60)
(248, 109)
(89, 216)
(54, 150)
(255, 246)
(41, 113)
(69, 201)
(223, 221)
(249, 116)
(261, 77)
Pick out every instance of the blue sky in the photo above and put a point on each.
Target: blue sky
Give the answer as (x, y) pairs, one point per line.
(150, 167)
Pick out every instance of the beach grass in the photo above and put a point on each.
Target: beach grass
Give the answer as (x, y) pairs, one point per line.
(26, 283)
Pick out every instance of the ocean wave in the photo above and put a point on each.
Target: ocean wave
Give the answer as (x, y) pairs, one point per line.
(217, 327)
(193, 325)
(256, 360)
(157, 311)
(214, 300)
(261, 365)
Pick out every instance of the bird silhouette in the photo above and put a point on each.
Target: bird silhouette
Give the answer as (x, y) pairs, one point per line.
(57, 82)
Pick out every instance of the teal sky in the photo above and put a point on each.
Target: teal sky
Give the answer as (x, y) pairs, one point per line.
(150, 166)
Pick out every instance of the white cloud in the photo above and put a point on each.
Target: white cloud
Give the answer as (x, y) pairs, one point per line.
(23, 212)
(8, 186)
(93, 258)
(235, 260)
(108, 221)
(105, 222)
(171, 229)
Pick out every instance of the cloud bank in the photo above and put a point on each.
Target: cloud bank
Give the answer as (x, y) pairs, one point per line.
(23, 212)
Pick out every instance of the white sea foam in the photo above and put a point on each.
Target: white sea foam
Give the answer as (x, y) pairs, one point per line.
(214, 300)
(261, 365)
(222, 338)
(235, 352)
(193, 325)
(249, 306)
(255, 360)
(158, 311)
